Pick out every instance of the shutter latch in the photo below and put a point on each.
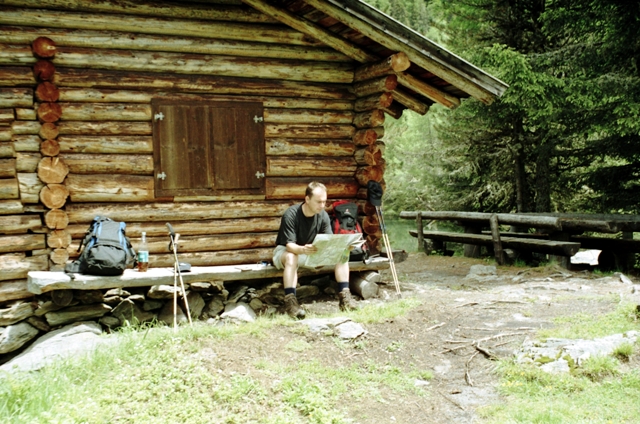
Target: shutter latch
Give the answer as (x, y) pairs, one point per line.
(259, 174)
(257, 119)
(158, 116)
(162, 176)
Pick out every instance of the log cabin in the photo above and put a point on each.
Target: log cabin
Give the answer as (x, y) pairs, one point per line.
(212, 115)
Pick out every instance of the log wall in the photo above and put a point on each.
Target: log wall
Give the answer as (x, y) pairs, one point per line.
(76, 127)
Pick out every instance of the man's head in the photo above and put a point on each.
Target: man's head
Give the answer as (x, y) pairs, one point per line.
(315, 197)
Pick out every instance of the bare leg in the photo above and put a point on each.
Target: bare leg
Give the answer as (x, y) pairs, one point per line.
(342, 272)
(290, 275)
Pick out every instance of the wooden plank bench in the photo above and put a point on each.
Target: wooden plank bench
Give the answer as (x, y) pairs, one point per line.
(561, 248)
(39, 282)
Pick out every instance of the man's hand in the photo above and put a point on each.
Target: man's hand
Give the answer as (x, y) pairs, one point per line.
(308, 249)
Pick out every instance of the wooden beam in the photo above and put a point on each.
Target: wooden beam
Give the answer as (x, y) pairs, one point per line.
(313, 30)
(434, 65)
(410, 102)
(395, 63)
(428, 90)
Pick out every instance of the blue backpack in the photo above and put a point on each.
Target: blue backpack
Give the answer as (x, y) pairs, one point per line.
(107, 249)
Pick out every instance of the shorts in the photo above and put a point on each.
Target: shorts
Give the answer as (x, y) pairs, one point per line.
(277, 256)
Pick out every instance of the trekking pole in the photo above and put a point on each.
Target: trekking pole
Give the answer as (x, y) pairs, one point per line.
(174, 240)
(385, 238)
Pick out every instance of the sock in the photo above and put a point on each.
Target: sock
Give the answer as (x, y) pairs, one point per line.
(342, 286)
(291, 290)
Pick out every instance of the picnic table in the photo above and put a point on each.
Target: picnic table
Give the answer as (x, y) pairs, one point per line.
(560, 235)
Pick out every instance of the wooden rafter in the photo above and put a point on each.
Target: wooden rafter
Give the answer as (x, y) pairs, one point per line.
(428, 90)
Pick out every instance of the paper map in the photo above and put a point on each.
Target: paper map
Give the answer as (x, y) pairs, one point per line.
(332, 249)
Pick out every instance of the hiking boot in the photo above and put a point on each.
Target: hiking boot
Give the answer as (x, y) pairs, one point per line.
(292, 308)
(346, 301)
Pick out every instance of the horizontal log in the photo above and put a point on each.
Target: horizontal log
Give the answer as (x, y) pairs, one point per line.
(482, 218)
(376, 85)
(7, 168)
(216, 12)
(5, 135)
(56, 219)
(26, 114)
(427, 90)
(188, 63)
(59, 256)
(19, 224)
(370, 155)
(16, 76)
(365, 137)
(43, 47)
(148, 25)
(44, 70)
(7, 115)
(192, 228)
(14, 290)
(105, 112)
(304, 147)
(54, 196)
(80, 163)
(395, 63)
(605, 243)
(27, 161)
(26, 143)
(8, 207)
(110, 188)
(25, 127)
(47, 92)
(298, 116)
(49, 112)
(43, 282)
(50, 148)
(104, 128)
(308, 131)
(14, 266)
(104, 40)
(394, 110)
(30, 187)
(52, 170)
(126, 145)
(406, 99)
(9, 189)
(21, 243)
(105, 79)
(369, 119)
(365, 174)
(310, 167)
(48, 131)
(294, 188)
(374, 101)
(562, 248)
(16, 97)
(58, 239)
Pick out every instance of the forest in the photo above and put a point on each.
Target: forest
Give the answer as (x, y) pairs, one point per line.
(565, 136)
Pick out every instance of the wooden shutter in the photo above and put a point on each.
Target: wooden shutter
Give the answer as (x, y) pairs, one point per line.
(208, 148)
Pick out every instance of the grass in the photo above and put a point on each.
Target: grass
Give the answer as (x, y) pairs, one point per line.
(600, 391)
(398, 232)
(160, 376)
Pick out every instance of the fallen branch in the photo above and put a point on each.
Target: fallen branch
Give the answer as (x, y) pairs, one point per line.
(486, 352)
(452, 401)
(435, 326)
(467, 376)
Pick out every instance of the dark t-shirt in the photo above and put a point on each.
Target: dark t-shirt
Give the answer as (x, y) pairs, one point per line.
(297, 228)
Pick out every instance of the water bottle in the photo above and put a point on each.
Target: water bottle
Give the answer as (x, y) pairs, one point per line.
(143, 254)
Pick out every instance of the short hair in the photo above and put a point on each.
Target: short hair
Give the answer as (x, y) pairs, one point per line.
(312, 186)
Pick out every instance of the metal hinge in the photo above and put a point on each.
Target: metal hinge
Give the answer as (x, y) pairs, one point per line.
(259, 174)
(162, 176)
(158, 116)
(257, 119)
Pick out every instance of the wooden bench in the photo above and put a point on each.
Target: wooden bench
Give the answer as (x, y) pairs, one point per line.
(45, 281)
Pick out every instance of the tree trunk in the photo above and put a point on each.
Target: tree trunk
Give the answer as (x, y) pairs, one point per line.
(106, 144)
(50, 148)
(543, 178)
(58, 239)
(43, 47)
(56, 219)
(370, 119)
(21, 243)
(394, 63)
(149, 81)
(303, 147)
(308, 131)
(374, 101)
(47, 92)
(166, 212)
(82, 163)
(44, 70)
(110, 188)
(54, 196)
(294, 188)
(377, 85)
(310, 167)
(52, 170)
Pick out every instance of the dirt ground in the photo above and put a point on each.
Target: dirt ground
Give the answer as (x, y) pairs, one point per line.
(461, 325)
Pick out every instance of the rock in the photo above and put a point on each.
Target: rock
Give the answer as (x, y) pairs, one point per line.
(586, 257)
(635, 289)
(128, 311)
(39, 323)
(624, 278)
(196, 304)
(17, 312)
(166, 314)
(238, 312)
(112, 300)
(317, 325)
(76, 313)
(208, 286)
(482, 270)
(62, 297)
(71, 340)
(238, 293)
(349, 330)
(46, 307)
(110, 322)
(152, 305)
(559, 366)
(15, 336)
(137, 298)
(307, 291)
(256, 304)
(88, 297)
(214, 307)
(117, 292)
(163, 291)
